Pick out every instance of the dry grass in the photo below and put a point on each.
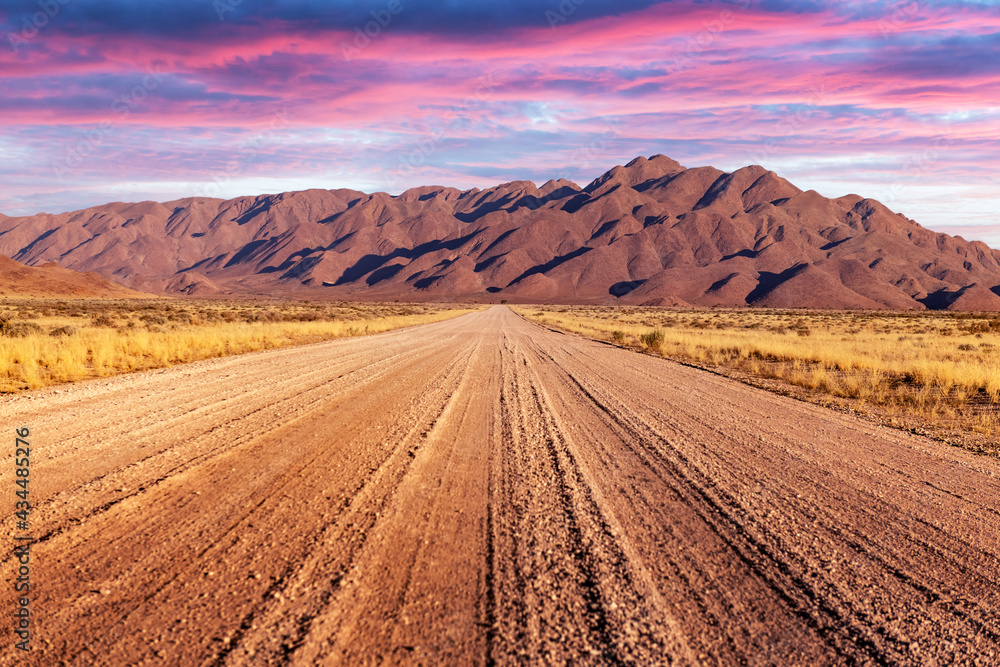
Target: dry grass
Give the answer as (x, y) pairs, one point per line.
(939, 370)
(46, 342)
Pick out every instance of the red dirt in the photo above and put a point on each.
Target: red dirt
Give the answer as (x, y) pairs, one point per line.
(485, 491)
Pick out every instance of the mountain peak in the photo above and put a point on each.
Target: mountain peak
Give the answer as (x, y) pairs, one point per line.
(665, 163)
(638, 172)
(554, 184)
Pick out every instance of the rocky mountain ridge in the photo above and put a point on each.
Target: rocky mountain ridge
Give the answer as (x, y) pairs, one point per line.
(649, 232)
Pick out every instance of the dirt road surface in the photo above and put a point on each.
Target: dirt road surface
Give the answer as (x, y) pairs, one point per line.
(485, 491)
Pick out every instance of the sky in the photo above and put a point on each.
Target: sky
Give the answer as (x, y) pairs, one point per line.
(127, 100)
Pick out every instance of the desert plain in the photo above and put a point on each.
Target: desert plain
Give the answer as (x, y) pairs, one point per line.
(487, 490)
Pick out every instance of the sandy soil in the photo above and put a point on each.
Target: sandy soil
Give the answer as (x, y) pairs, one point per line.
(485, 491)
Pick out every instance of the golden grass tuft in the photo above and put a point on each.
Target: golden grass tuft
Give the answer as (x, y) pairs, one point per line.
(76, 340)
(942, 368)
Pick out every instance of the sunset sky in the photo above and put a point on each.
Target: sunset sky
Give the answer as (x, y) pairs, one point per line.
(128, 100)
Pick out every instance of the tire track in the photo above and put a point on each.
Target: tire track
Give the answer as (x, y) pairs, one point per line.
(644, 431)
(370, 487)
(188, 451)
(853, 539)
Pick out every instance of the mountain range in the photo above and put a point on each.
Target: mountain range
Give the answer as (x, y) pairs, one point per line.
(650, 232)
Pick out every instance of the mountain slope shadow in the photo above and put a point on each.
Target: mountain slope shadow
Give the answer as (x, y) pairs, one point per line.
(248, 250)
(262, 206)
(551, 264)
(370, 263)
(486, 209)
(767, 281)
(624, 287)
(938, 300)
(384, 273)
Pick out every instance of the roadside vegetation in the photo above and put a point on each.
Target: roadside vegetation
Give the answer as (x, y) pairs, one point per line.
(930, 372)
(47, 342)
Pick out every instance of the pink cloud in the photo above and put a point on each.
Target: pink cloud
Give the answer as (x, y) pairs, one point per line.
(714, 79)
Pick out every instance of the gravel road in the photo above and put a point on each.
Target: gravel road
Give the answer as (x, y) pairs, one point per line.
(486, 491)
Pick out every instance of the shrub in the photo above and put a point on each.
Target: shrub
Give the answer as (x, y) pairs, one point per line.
(653, 340)
(976, 327)
(18, 329)
(618, 336)
(67, 330)
(102, 320)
